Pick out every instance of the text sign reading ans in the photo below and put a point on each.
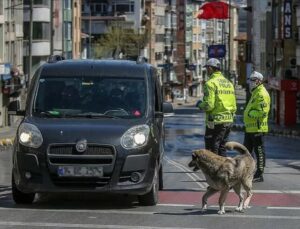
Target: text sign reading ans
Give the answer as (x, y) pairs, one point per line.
(287, 21)
(80, 171)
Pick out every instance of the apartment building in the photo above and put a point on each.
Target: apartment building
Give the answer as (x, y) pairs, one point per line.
(284, 79)
(98, 16)
(11, 52)
(198, 53)
(41, 34)
(170, 78)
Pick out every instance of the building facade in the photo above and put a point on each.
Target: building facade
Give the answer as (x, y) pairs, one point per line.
(284, 79)
(11, 53)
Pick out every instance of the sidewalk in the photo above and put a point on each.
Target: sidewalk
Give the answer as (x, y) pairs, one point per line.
(7, 134)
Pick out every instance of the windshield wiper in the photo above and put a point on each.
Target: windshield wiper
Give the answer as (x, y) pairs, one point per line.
(91, 115)
(51, 114)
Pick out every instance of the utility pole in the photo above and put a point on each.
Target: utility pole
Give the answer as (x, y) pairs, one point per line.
(90, 31)
(30, 41)
(229, 37)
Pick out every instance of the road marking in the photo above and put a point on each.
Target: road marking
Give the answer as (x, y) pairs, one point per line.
(284, 208)
(69, 225)
(79, 211)
(176, 205)
(4, 192)
(257, 216)
(126, 212)
(192, 175)
(265, 191)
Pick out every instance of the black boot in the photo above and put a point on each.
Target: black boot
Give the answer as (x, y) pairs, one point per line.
(258, 177)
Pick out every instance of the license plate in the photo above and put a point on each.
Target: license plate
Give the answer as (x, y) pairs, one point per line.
(80, 171)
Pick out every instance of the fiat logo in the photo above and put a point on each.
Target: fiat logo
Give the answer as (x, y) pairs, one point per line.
(81, 146)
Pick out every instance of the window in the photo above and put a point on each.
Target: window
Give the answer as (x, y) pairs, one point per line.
(123, 7)
(160, 20)
(41, 30)
(67, 4)
(37, 2)
(194, 37)
(68, 30)
(159, 37)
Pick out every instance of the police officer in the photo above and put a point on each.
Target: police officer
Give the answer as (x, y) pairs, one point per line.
(219, 104)
(256, 122)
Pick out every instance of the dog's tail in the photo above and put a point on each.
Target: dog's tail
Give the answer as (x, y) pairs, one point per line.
(238, 147)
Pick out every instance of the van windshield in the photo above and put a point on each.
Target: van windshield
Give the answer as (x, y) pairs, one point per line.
(90, 97)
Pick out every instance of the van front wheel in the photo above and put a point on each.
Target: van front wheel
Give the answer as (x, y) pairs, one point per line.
(151, 198)
(21, 197)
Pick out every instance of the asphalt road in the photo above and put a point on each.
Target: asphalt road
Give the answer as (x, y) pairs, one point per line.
(275, 204)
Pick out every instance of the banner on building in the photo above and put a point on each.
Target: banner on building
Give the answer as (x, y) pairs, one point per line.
(216, 51)
(287, 21)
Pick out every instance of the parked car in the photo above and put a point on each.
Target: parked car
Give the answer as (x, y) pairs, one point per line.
(91, 126)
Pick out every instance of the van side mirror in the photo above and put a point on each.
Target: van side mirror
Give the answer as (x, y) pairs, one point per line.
(168, 108)
(14, 108)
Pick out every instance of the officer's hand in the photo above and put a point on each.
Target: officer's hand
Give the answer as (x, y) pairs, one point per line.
(198, 103)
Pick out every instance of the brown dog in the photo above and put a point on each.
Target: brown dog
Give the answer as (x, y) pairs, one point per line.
(224, 173)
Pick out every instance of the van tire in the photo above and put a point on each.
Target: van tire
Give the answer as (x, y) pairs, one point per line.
(151, 198)
(21, 197)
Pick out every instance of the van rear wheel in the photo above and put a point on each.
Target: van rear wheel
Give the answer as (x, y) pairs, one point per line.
(21, 197)
(151, 198)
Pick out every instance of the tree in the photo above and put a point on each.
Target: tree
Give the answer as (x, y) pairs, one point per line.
(120, 42)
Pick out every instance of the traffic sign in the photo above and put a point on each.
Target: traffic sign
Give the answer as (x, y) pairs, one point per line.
(216, 51)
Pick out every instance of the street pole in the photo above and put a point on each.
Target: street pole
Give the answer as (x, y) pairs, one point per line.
(30, 41)
(90, 33)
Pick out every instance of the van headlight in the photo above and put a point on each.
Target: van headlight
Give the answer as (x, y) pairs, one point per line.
(135, 137)
(30, 135)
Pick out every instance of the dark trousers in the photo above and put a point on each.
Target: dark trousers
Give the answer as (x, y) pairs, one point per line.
(255, 141)
(216, 138)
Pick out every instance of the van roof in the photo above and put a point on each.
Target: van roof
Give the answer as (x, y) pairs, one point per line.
(124, 68)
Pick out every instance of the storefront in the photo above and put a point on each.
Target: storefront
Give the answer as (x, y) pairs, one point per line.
(285, 101)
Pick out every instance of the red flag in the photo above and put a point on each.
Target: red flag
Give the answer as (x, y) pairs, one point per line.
(210, 10)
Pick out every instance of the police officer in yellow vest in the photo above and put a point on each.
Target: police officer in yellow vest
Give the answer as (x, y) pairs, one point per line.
(256, 122)
(219, 104)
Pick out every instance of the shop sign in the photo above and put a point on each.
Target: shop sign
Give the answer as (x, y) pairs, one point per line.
(287, 21)
(289, 85)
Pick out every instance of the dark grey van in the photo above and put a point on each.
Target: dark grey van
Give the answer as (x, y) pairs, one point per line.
(91, 126)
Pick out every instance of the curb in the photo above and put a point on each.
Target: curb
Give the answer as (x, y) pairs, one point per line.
(272, 132)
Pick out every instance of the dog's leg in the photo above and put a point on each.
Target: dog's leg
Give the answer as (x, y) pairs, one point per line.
(238, 190)
(210, 191)
(248, 188)
(222, 199)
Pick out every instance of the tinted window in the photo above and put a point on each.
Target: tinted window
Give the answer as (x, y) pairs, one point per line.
(121, 97)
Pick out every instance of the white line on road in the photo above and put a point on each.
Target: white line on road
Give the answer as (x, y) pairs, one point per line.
(69, 225)
(284, 208)
(176, 205)
(193, 176)
(137, 213)
(79, 211)
(258, 216)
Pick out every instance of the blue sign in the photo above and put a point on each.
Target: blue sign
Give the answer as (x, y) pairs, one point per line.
(216, 51)
(5, 71)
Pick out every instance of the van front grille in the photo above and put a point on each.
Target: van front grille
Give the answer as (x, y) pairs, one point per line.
(71, 150)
